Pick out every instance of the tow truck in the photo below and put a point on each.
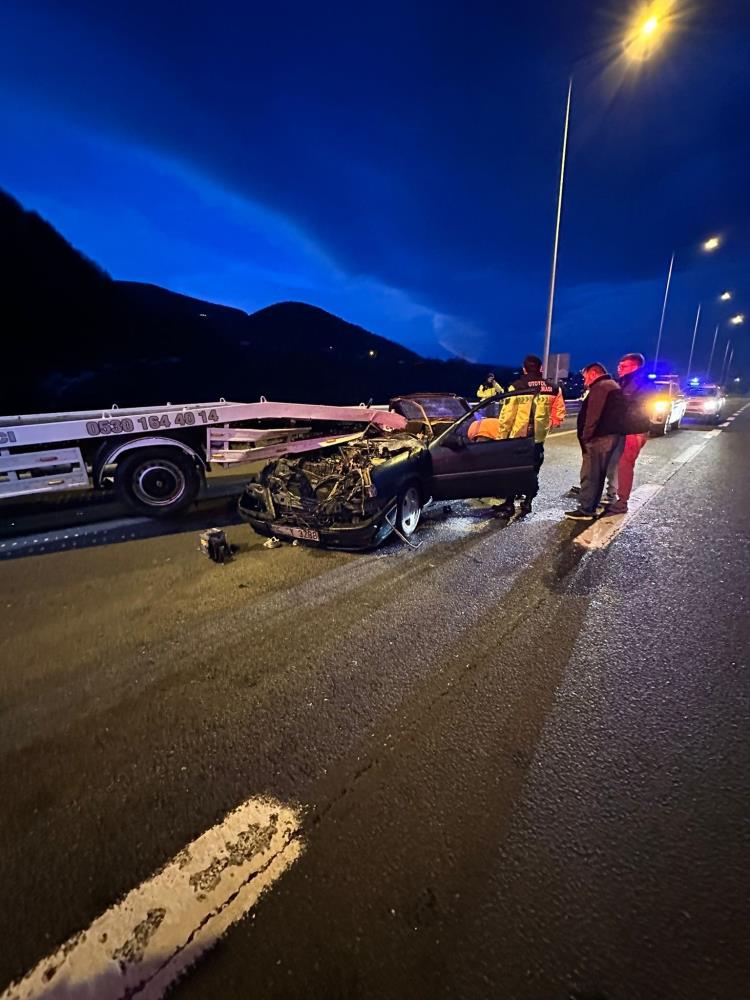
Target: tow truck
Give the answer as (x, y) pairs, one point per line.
(156, 457)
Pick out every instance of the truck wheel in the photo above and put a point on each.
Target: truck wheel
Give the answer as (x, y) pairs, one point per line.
(409, 509)
(159, 482)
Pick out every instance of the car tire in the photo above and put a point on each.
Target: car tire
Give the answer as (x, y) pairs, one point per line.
(409, 509)
(157, 482)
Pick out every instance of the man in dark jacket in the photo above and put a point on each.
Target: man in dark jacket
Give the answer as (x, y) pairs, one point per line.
(635, 390)
(600, 427)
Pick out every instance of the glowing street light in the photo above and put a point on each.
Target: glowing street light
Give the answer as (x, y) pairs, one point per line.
(646, 30)
(725, 296)
(641, 38)
(712, 243)
(737, 320)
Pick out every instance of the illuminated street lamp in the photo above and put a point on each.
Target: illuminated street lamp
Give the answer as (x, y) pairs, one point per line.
(646, 31)
(725, 296)
(709, 245)
(642, 36)
(737, 320)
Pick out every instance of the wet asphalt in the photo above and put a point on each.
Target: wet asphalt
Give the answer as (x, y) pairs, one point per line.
(522, 767)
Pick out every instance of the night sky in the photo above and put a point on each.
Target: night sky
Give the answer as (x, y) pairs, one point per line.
(395, 163)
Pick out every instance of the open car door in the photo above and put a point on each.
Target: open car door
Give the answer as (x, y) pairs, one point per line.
(462, 468)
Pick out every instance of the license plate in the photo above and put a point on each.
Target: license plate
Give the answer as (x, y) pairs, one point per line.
(308, 534)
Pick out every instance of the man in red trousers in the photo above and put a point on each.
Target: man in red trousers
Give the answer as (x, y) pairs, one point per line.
(635, 389)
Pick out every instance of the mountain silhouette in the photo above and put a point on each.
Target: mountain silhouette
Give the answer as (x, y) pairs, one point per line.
(76, 338)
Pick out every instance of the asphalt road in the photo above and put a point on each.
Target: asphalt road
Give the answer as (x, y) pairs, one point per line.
(521, 765)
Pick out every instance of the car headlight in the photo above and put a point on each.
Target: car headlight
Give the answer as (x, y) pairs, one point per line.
(659, 407)
(710, 406)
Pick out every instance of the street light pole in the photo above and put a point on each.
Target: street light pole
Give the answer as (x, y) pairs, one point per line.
(692, 345)
(713, 348)
(724, 362)
(553, 276)
(663, 312)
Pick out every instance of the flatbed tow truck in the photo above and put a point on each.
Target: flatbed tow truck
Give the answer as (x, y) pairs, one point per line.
(156, 457)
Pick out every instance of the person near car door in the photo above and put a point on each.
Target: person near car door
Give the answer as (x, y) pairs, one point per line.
(636, 391)
(600, 425)
(539, 407)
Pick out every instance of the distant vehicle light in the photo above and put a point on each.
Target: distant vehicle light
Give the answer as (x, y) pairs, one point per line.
(652, 375)
(695, 381)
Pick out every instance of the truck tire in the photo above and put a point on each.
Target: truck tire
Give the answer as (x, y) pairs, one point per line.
(158, 482)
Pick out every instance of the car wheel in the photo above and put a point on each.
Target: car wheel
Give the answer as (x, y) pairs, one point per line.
(409, 510)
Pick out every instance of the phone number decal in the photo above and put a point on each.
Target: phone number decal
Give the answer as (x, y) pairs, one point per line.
(153, 422)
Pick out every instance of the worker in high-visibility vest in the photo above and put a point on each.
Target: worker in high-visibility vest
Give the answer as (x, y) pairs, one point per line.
(489, 388)
(535, 413)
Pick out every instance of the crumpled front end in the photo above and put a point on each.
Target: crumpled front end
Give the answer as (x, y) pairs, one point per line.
(342, 497)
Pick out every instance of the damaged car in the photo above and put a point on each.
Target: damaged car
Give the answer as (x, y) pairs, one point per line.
(353, 494)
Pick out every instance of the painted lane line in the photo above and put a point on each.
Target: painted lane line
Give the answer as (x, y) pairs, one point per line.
(141, 945)
(603, 531)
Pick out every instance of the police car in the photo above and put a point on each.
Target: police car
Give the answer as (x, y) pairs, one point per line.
(705, 402)
(667, 405)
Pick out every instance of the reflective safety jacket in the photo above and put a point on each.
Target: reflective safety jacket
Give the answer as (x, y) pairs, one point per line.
(547, 402)
(488, 391)
(488, 429)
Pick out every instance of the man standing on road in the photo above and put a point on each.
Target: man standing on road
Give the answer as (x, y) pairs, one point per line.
(636, 426)
(600, 427)
(545, 406)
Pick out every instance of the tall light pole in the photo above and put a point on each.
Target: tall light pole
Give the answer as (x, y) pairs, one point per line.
(713, 348)
(692, 345)
(708, 246)
(724, 362)
(663, 311)
(642, 38)
(561, 187)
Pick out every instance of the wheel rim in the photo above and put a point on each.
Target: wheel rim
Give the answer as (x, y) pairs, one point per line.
(159, 483)
(410, 510)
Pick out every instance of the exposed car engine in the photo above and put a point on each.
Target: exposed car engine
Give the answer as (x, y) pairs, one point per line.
(326, 487)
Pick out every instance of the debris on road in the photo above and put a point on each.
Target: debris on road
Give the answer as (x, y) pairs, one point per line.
(272, 543)
(214, 544)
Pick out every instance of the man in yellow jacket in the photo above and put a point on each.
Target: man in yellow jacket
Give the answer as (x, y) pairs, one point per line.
(539, 408)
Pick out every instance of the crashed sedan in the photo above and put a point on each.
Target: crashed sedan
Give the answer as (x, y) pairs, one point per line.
(354, 493)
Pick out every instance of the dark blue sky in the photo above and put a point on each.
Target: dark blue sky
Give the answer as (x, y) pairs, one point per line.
(395, 163)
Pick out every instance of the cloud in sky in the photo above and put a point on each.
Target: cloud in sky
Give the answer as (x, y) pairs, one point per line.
(397, 169)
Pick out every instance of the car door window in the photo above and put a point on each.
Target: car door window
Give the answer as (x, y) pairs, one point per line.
(464, 468)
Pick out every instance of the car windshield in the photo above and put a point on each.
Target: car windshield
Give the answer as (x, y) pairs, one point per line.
(703, 390)
(437, 408)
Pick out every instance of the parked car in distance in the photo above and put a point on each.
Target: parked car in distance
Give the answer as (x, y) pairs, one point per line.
(706, 403)
(667, 406)
(354, 494)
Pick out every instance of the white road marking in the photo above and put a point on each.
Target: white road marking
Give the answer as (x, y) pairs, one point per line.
(603, 531)
(140, 946)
